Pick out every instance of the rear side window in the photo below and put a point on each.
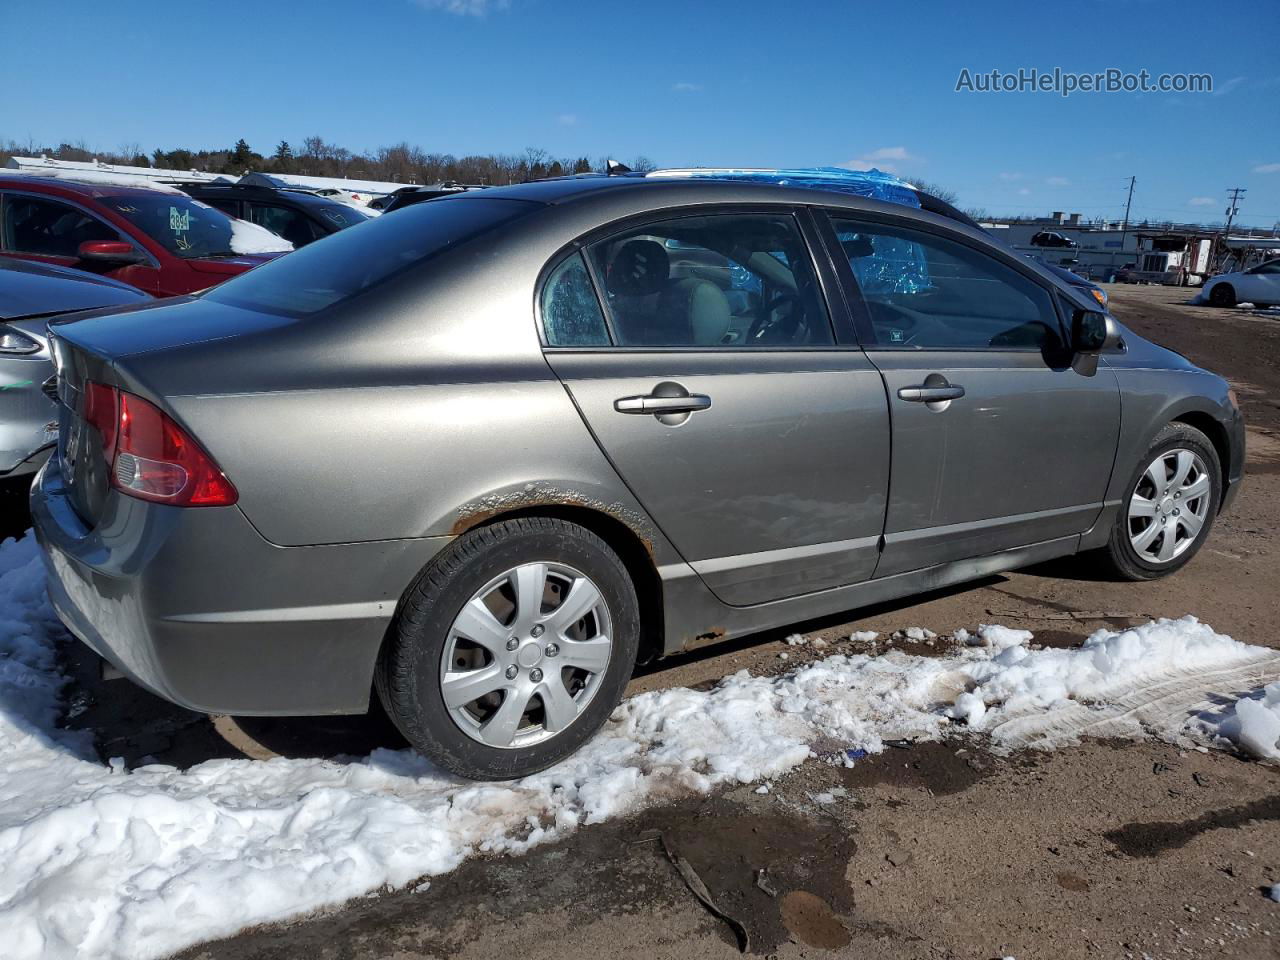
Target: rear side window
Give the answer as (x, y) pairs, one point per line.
(571, 313)
(722, 280)
(351, 262)
(926, 292)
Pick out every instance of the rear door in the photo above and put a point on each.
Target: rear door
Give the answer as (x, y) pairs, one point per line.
(699, 350)
(997, 441)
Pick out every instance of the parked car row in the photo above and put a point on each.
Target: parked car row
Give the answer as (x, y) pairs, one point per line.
(484, 454)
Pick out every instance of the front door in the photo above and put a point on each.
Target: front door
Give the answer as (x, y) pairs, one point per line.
(712, 381)
(997, 441)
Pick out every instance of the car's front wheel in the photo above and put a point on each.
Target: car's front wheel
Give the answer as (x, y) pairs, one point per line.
(1169, 506)
(1222, 295)
(512, 648)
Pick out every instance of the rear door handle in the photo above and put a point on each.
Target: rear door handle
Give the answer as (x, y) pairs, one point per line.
(650, 404)
(923, 394)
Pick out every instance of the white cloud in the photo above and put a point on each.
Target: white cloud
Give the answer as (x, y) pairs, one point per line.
(1011, 176)
(888, 159)
(1024, 192)
(1057, 181)
(1200, 201)
(464, 8)
(1221, 90)
(685, 87)
(1267, 168)
(567, 119)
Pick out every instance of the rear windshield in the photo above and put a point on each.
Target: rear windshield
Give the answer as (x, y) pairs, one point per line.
(350, 262)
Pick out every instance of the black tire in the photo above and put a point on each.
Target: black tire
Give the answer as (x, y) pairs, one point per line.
(408, 679)
(1222, 295)
(1120, 554)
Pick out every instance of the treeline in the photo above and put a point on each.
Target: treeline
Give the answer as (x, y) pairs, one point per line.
(399, 163)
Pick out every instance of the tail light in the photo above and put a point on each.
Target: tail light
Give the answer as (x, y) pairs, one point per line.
(149, 456)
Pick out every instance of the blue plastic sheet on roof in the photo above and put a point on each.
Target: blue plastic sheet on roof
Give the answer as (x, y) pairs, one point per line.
(862, 183)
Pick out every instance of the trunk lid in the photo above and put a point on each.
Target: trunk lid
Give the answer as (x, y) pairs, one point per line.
(127, 350)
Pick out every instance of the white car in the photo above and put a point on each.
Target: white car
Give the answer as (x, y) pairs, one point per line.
(1258, 285)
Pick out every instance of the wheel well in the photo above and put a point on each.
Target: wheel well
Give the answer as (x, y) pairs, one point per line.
(631, 550)
(1216, 433)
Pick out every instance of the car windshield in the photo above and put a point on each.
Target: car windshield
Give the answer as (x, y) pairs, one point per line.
(341, 215)
(186, 228)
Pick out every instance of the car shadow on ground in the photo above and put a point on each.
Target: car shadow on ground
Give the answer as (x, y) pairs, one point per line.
(15, 512)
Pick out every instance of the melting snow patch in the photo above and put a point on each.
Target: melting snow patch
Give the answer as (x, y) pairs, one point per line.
(105, 862)
(248, 237)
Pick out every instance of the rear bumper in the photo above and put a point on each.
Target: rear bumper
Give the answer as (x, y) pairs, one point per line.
(197, 607)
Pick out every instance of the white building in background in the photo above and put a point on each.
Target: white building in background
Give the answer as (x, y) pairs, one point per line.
(1170, 253)
(119, 173)
(359, 190)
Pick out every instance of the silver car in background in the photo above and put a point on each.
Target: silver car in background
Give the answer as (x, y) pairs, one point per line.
(31, 293)
(484, 454)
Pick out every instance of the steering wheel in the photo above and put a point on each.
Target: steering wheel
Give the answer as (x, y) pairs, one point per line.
(767, 323)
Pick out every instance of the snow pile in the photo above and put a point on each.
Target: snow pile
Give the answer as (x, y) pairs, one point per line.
(248, 237)
(103, 862)
(1254, 724)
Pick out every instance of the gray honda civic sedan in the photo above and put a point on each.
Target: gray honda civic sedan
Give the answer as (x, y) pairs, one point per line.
(483, 455)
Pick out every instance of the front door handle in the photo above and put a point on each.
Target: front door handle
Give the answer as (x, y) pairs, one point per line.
(930, 394)
(651, 404)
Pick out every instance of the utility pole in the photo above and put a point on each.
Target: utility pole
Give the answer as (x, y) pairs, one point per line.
(1124, 230)
(1237, 194)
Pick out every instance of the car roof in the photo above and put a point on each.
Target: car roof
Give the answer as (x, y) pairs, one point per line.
(257, 190)
(32, 289)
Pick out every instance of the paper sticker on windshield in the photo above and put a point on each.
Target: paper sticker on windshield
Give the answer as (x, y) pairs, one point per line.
(895, 336)
(179, 220)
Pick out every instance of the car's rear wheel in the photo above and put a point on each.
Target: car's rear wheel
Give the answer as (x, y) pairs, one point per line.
(1222, 295)
(1169, 506)
(512, 648)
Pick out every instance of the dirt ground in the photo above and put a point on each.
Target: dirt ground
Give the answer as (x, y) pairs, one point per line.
(1110, 849)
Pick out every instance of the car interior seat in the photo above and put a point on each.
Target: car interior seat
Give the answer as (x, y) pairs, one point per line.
(651, 308)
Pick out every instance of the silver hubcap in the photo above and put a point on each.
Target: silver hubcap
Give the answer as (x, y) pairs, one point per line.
(526, 655)
(1169, 506)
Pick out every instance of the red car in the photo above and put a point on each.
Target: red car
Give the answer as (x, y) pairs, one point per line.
(159, 241)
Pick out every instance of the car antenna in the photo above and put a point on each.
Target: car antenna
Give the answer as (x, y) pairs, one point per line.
(613, 168)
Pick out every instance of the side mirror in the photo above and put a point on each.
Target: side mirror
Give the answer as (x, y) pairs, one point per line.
(1092, 332)
(110, 251)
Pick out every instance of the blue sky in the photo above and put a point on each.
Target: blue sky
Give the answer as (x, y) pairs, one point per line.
(686, 83)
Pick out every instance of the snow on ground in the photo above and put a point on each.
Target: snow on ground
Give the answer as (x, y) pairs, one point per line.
(248, 237)
(113, 863)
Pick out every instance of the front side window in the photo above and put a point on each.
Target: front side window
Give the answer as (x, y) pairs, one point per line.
(50, 228)
(571, 314)
(926, 292)
(723, 280)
